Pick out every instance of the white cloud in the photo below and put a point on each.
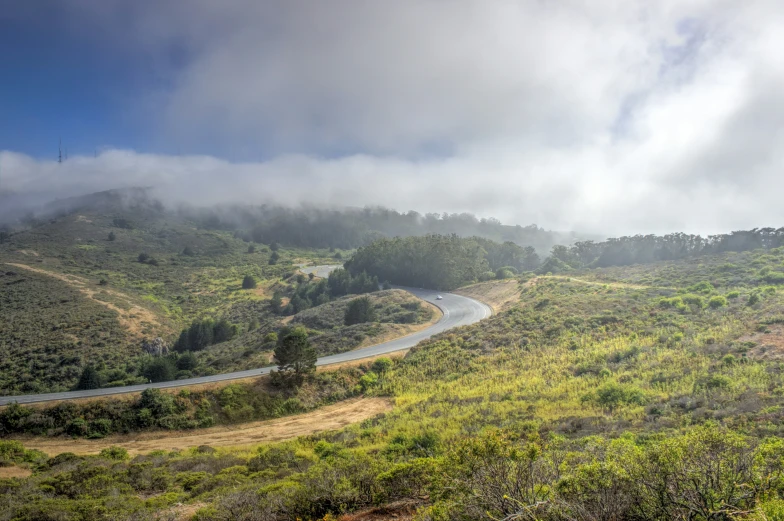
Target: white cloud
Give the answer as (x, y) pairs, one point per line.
(616, 117)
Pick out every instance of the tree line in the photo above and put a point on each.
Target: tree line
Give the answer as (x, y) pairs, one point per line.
(641, 249)
(352, 227)
(441, 261)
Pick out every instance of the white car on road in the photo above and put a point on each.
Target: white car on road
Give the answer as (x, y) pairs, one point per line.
(439, 297)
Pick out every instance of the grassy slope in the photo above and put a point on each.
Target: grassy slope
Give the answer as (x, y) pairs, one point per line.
(83, 321)
(536, 370)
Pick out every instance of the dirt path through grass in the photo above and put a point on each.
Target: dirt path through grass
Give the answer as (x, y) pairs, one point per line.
(326, 418)
(132, 319)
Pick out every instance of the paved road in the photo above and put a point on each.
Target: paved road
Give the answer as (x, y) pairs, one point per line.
(458, 311)
(320, 271)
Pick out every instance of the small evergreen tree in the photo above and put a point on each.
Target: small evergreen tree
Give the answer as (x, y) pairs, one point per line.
(251, 249)
(294, 354)
(89, 379)
(360, 310)
(143, 257)
(248, 282)
(274, 258)
(112, 236)
(188, 251)
(274, 246)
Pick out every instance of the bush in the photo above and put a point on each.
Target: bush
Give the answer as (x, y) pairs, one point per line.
(381, 365)
(717, 302)
(248, 282)
(360, 310)
(733, 295)
(111, 236)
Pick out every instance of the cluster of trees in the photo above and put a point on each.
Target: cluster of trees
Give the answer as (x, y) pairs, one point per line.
(204, 333)
(641, 249)
(434, 261)
(308, 294)
(351, 228)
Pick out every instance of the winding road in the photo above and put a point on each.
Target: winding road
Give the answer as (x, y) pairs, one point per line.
(458, 311)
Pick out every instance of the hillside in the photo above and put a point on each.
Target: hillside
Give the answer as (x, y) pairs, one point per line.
(104, 273)
(595, 389)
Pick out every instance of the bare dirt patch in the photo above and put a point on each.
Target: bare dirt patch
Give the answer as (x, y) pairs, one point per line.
(14, 472)
(133, 319)
(498, 294)
(770, 345)
(327, 418)
(398, 511)
(28, 252)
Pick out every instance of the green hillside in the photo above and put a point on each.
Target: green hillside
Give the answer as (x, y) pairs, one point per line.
(642, 392)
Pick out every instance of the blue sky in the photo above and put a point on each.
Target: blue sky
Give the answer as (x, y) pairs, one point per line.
(611, 117)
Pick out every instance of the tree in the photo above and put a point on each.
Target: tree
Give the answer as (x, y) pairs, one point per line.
(251, 249)
(274, 258)
(188, 251)
(248, 282)
(89, 379)
(274, 246)
(294, 354)
(276, 303)
(187, 361)
(311, 275)
(359, 310)
(112, 236)
(223, 331)
(143, 257)
(160, 369)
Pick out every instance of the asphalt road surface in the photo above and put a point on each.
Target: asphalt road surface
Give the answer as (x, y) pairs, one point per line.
(458, 311)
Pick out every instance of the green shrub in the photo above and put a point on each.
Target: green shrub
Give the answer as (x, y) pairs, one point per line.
(115, 453)
(717, 301)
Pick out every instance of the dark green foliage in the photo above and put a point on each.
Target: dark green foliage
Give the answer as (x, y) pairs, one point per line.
(111, 236)
(89, 379)
(187, 361)
(160, 369)
(188, 251)
(251, 249)
(248, 282)
(433, 261)
(274, 246)
(4, 237)
(121, 222)
(204, 333)
(274, 258)
(143, 258)
(294, 353)
(342, 282)
(360, 310)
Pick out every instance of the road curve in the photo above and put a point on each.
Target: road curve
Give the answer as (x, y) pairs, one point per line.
(458, 311)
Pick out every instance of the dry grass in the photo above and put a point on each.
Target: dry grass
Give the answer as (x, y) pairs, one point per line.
(133, 319)
(770, 345)
(331, 417)
(14, 472)
(498, 294)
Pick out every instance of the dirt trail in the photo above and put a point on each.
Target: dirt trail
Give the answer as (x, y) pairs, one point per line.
(330, 417)
(588, 282)
(132, 318)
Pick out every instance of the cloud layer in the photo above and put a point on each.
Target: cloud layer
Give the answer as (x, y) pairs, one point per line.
(611, 117)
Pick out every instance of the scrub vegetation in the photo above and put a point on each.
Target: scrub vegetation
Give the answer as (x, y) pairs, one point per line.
(642, 392)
